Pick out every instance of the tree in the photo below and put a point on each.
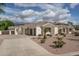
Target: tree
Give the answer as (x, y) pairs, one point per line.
(4, 24)
(1, 7)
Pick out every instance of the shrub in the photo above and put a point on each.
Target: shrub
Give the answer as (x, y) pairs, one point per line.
(39, 35)
(49, 35)
(63, 34)
(59, 43)
(44, 39)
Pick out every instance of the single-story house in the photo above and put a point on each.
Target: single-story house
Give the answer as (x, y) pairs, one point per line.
(41, 28)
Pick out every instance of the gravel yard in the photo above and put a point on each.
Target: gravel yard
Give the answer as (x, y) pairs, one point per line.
(69, 47)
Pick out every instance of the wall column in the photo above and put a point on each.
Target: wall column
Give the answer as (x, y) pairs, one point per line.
(16, 33)
(0, 32)
(33, 31)
(23, 31)
(10, 32)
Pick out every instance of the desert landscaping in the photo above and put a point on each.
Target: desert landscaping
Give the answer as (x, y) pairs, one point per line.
(71, 45)
(25, 45)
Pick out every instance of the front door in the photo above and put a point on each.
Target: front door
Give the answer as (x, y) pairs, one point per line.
(47, 31)
(31, 31)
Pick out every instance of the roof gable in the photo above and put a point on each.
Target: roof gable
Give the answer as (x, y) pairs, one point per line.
(48, 24)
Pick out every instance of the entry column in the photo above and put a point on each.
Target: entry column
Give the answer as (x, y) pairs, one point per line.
(9, 32)
(16, 33)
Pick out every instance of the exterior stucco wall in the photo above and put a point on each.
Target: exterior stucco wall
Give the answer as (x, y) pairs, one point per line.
(38, 31)
(55, 30)
(16, 32)
(0, 32)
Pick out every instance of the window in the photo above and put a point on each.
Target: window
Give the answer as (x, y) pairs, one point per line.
(63, 29)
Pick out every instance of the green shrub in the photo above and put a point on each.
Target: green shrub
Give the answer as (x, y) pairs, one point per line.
(4, 24)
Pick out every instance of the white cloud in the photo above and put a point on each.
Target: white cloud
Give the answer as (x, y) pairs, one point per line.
(41, 5)
(59, 5)
(47, 15)
(73, 5)
(25, 4)
(52, 12)
(64, 15)
(28, 13)
(9, 10)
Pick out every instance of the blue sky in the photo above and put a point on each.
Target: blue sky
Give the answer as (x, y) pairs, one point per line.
(31, 12)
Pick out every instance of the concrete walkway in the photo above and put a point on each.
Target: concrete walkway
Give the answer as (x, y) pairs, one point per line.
(21, 46)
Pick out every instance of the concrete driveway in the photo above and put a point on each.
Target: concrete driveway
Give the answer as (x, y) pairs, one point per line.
(21, 46)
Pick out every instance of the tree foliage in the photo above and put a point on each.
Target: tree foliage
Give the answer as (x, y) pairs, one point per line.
(5, 24)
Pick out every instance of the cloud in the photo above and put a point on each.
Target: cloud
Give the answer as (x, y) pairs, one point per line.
(47, 15)
(51, 12)
(12, 18)
(41, 5)
(73, 5)
(11, 10)
(29, 13)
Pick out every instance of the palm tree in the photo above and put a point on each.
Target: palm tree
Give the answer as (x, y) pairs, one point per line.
(1, 7)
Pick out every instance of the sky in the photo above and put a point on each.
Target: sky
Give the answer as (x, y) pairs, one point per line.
(34, 12)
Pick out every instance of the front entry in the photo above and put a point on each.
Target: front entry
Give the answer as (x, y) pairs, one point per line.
(30, 31)
(47, 31)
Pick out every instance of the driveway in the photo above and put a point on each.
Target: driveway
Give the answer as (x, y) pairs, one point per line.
(21, 46)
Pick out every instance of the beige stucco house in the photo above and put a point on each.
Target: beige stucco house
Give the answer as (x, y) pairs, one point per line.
(41, 28)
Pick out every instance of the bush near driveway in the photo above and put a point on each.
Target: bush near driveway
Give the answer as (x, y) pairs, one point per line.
(44, 39)
(59, 42)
